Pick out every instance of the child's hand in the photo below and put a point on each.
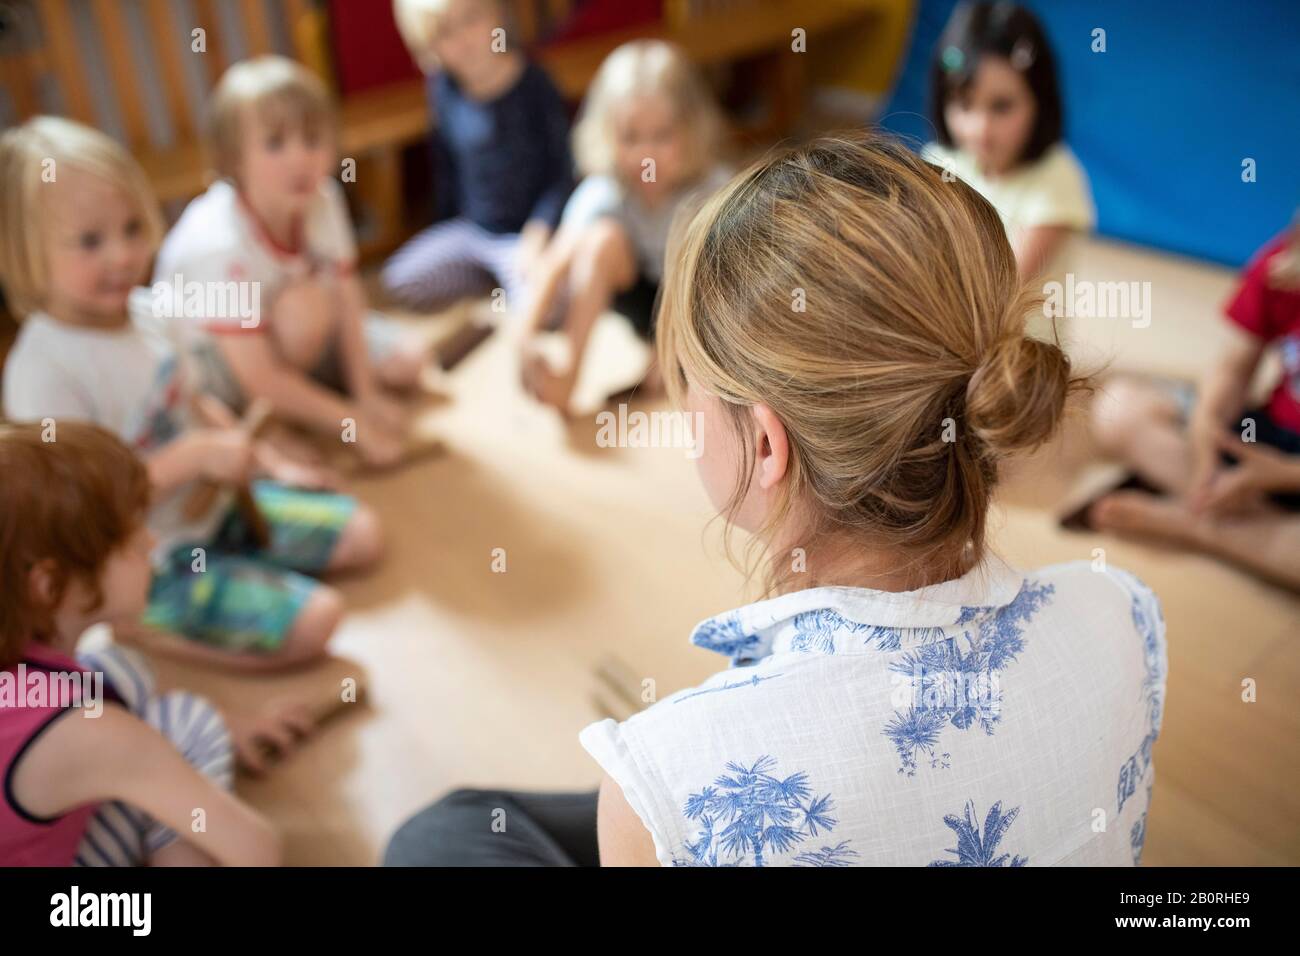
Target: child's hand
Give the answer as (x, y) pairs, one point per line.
(378, 447)
(265, 739)
(1260, 471)
(378, 409)
(531, 246)
(226, 455)
(1203, 432)
(287, 470)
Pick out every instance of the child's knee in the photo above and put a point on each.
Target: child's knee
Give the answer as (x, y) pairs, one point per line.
(605, 252)
(403, 277)
(313, 627)
(1118, 411)
(401, 368)
(304, 298)
(361, 543)
(302, 319)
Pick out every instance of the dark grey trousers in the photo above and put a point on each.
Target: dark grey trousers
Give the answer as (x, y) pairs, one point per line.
(499, 828)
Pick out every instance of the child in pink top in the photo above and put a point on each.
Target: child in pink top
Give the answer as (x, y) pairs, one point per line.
(86, 775)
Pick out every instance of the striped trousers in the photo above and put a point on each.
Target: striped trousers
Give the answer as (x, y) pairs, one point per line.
(454, 260)
(118, 834)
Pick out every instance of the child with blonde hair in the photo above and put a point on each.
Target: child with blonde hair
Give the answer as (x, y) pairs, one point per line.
(78, 227)
(501, 169)
(99, 769)
(900, 697)
(276, 224)
(647, 141)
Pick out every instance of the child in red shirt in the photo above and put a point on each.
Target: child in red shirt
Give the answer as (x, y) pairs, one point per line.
(1225, 479)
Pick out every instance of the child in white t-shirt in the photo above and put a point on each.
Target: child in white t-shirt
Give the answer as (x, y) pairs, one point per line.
(647, 142)
(265, 262)
(996, 110)
(79, 227)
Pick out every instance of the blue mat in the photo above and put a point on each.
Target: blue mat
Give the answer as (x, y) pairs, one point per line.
(1164, 118)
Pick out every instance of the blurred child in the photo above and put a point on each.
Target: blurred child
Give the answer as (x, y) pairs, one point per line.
(1225, 479)
(997, 114)
(276, 223)
(78, 226)
(99, 769)
(647, 140)
(500, 145)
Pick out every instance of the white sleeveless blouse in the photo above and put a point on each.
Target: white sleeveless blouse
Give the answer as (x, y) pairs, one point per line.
(999, 719)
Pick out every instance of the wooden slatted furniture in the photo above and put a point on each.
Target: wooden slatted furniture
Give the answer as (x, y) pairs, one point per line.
(42, 47)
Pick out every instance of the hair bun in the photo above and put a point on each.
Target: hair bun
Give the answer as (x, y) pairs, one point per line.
(1015, 397)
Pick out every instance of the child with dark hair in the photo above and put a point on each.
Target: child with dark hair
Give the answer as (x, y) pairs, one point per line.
(996, 108)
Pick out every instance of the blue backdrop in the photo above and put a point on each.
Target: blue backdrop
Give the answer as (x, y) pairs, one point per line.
(1164, 118)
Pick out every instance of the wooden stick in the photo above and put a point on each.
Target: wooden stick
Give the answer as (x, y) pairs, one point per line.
(205, 495)
(457, 346)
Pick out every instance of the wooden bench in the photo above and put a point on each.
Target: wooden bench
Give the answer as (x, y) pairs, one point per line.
(42, 48)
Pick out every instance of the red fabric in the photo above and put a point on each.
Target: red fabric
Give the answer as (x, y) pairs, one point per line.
(1273, 315)
(595, 17)
(368, 50)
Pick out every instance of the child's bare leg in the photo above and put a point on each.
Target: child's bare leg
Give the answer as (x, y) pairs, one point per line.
(360, 544)
(603, 264)
(1142, 427)
(1266, 542)
(304, 322)
(180, 853)
(306, 640)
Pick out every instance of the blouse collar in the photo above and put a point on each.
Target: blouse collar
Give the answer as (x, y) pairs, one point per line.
(844, 620)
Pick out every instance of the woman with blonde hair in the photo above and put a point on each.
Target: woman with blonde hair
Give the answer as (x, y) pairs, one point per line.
(903, 696)
(646, 141)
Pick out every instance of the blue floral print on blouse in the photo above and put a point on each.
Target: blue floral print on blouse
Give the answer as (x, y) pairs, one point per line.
(960, 686)
(955, 679)
(976, 847)
(749, 816)
(1136, 770)
(726, 636)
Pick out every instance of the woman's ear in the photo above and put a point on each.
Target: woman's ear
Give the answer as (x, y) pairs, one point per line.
(771, 448)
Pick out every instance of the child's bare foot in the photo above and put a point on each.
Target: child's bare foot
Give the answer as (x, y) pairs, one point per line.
(545, 385)
(1137, 512)
(269, 737)
(379, 448)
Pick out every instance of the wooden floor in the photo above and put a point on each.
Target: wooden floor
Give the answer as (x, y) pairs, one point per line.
(476, 677)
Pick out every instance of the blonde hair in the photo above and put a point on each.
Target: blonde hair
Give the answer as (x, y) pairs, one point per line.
(418, 21)
(912, 331)
(639, 68)
(281, 92)
(34, 158)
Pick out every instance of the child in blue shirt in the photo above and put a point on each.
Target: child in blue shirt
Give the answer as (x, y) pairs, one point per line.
(502, 170)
